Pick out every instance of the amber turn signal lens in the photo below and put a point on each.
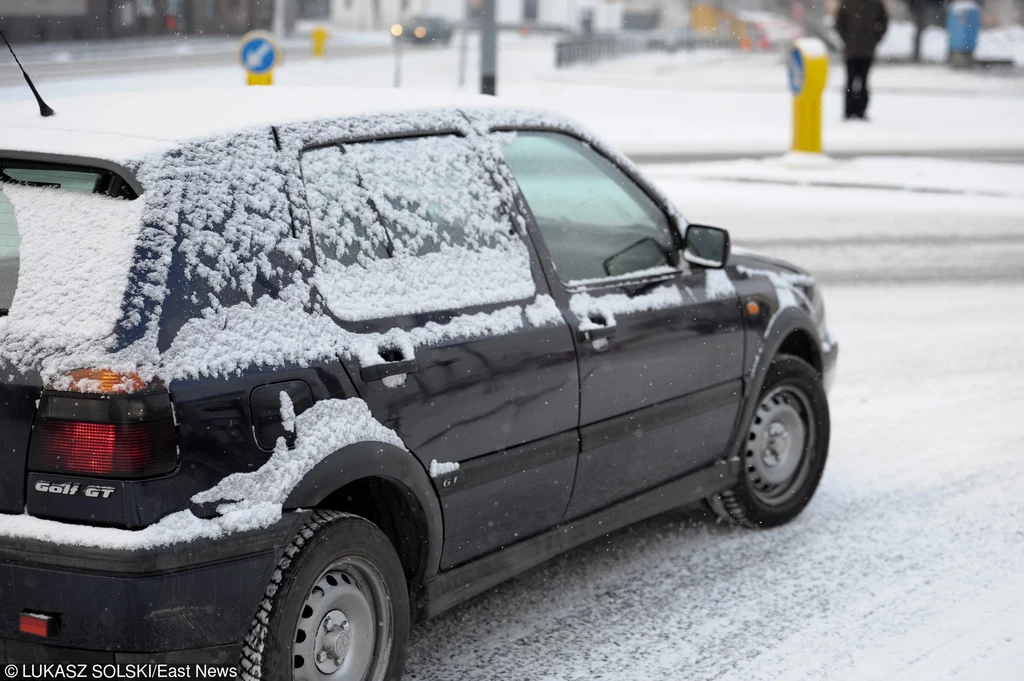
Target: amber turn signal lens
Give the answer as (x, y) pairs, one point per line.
(103, 381)
(753, 308)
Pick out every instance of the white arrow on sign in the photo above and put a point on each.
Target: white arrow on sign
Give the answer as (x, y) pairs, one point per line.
(254, 59)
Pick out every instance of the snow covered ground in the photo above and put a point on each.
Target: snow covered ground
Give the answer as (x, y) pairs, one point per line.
(707, 102)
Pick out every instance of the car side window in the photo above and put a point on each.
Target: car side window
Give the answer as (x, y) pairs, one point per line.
(412, 225)
(595, 221)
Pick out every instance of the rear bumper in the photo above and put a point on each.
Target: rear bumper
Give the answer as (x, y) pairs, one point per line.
(182, 603)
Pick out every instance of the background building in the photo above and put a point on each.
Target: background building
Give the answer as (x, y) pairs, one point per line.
(37, 20)
(542, 14)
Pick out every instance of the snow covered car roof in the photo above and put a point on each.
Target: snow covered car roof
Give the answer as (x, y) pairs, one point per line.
(127, 126)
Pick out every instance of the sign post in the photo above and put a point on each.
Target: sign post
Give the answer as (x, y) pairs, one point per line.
(259, 54)
(488, 49)
(808, 71)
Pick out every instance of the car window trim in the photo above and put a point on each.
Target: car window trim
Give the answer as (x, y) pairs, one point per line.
(75, 163)
(610, 281)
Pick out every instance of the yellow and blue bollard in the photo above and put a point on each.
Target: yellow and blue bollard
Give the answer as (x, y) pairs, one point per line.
(808, 72)
(259, 53)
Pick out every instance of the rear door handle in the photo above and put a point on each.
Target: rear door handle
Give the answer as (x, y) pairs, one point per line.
(376, 372)
(590, 335)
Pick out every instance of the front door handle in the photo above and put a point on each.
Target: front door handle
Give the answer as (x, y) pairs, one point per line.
(591, 335)
(376, 372)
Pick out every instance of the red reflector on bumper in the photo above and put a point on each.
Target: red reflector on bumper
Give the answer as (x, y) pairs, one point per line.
(37, 625)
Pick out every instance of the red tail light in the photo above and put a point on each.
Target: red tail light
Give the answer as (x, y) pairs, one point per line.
(108, 435)
(120, 450)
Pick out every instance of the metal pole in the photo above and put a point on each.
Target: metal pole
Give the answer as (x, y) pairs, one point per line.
(463, 49)
(488, 49)
(280, 9)
(398, 62)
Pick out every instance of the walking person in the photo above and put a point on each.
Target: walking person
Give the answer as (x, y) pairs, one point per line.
(861, 24)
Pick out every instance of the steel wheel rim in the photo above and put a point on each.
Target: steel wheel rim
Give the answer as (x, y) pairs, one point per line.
(345, 625)
(780, 445)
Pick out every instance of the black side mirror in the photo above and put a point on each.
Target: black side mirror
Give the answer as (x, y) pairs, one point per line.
(706, 246)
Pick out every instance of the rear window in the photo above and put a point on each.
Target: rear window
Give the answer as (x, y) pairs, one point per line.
(42, 175)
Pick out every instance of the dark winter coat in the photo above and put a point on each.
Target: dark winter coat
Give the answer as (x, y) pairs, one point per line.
(861, 24)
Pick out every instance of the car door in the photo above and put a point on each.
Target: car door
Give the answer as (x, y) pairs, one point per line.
(458, 346)
(659, 345)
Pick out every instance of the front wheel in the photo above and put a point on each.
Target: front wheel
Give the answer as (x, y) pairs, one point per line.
(336, 607)
(783, 453)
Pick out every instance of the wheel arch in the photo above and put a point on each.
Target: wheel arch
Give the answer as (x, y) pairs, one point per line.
(790, 329)
(388, 486)
(801, 343)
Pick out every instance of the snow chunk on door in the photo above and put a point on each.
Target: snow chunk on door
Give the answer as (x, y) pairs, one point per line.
(412, 225)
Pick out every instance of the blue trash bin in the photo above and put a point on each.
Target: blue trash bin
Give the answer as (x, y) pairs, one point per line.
(963, 22)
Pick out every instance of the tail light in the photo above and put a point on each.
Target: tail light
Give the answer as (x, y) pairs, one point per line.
(101, 423)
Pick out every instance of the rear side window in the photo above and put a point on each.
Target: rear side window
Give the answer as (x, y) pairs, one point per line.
(41, 175)
(412, 225)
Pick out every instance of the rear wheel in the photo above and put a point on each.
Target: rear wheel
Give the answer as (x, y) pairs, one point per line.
(784, 449)
(336, 608)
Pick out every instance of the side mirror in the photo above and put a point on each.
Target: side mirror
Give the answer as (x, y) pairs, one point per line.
(706, 246)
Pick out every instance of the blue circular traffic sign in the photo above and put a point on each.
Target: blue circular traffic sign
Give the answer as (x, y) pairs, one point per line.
(259, 52)
(796, 71)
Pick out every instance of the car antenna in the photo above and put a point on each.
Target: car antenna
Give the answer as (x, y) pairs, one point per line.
(44, 110)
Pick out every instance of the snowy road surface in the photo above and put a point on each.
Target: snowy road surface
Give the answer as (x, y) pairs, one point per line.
(857, 234)
(907, 566)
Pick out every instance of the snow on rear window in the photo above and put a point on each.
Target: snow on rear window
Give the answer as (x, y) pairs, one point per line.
(76, 251)
(11, 173)
(412, 225)
(9, 243)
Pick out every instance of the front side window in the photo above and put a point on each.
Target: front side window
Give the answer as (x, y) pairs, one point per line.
(595, 221)
(412, 225)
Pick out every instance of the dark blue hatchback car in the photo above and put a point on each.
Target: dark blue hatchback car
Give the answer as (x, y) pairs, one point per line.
(278, 382)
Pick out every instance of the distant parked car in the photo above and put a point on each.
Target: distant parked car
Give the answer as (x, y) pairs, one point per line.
(281, 378)
(424, 30)
(672, 39)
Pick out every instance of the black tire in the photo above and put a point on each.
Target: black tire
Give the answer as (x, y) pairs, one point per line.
(329, 545)
(791, 383)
